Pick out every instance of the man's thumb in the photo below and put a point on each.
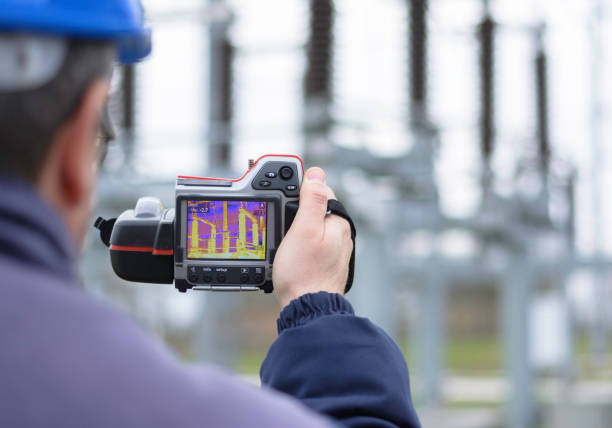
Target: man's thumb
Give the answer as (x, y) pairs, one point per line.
(313, 199)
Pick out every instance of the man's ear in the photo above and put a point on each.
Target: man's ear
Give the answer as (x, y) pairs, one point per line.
(76, 148)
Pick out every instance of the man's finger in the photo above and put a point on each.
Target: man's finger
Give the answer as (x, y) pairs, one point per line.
(313, 200)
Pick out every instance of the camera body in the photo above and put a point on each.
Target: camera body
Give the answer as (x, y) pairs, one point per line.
(222, 234)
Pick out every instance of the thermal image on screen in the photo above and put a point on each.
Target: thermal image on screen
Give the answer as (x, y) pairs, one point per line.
(226, 230)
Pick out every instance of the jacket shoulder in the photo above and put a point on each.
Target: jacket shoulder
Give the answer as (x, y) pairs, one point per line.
(70, 360)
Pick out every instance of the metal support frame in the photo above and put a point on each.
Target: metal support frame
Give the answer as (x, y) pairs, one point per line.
(374, 242)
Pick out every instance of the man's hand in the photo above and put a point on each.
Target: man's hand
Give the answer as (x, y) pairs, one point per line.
(314, 254)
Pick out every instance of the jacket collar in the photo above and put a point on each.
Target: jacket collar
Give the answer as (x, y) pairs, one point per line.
(32, 232)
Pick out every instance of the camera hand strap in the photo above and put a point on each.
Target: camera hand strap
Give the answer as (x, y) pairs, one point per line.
(335, 207)
(106, 228)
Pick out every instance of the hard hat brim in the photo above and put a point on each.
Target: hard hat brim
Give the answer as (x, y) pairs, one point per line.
(134, 48)
(132, 38)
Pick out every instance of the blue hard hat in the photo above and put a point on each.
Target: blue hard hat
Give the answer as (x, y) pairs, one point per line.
(119, 21)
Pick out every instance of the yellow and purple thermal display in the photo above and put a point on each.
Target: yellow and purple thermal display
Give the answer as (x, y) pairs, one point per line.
(226, 230)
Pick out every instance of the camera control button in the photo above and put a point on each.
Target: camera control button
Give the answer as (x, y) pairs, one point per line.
(271, 174)
(291, 187)
(207, 278)
(286, 172)
(221, 277)
(244, 277)
(259, 277)
(192, 274)
(265, 183)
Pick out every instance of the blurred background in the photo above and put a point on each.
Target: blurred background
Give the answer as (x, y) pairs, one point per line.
(466, 137)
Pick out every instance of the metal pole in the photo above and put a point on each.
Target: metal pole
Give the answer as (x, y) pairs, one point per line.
(571, 217)
(431, 341)
(318, 78)
(220, 85)
(542, 103)
(515, 311)
(215, 333)
(128, 79)
(373, 292)
(418, 61)
(486, 37)
(431, 322)
(597, 333)
(128, 84)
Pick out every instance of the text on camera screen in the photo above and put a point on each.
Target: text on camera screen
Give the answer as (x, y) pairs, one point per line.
(226, 230)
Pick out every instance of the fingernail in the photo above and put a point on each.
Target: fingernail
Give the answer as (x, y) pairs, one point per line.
(316, 175)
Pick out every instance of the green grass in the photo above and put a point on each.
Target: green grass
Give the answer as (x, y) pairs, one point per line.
(462, 355)
(249, 362)
(474, 404)
(474, 354)
(467, 355)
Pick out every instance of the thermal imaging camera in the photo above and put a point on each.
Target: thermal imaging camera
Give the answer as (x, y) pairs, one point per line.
(222, 234)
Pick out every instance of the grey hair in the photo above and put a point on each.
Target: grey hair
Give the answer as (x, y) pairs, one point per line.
(29, 119)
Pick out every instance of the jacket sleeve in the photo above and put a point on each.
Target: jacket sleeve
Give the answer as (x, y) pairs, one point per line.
(339, 364)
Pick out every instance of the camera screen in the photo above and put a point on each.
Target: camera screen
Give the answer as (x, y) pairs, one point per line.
(226, 230)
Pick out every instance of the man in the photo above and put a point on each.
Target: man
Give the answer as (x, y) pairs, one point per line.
(67, 360)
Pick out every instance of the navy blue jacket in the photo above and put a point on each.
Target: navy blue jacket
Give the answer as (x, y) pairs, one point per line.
(339, 364)
(67, 360)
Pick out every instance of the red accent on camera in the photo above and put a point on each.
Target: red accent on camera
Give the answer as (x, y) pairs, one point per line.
(243, 175)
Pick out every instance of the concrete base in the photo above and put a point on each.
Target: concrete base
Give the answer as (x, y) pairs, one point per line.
(441, 417)
(583, 415)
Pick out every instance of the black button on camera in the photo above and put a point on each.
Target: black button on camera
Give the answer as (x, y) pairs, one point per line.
(221, 277)
(259, 277)
(265, 183)
(244, 277)
(271, 174)
(286, 173)
(207, 278)
(291, 187)
(193, 277)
